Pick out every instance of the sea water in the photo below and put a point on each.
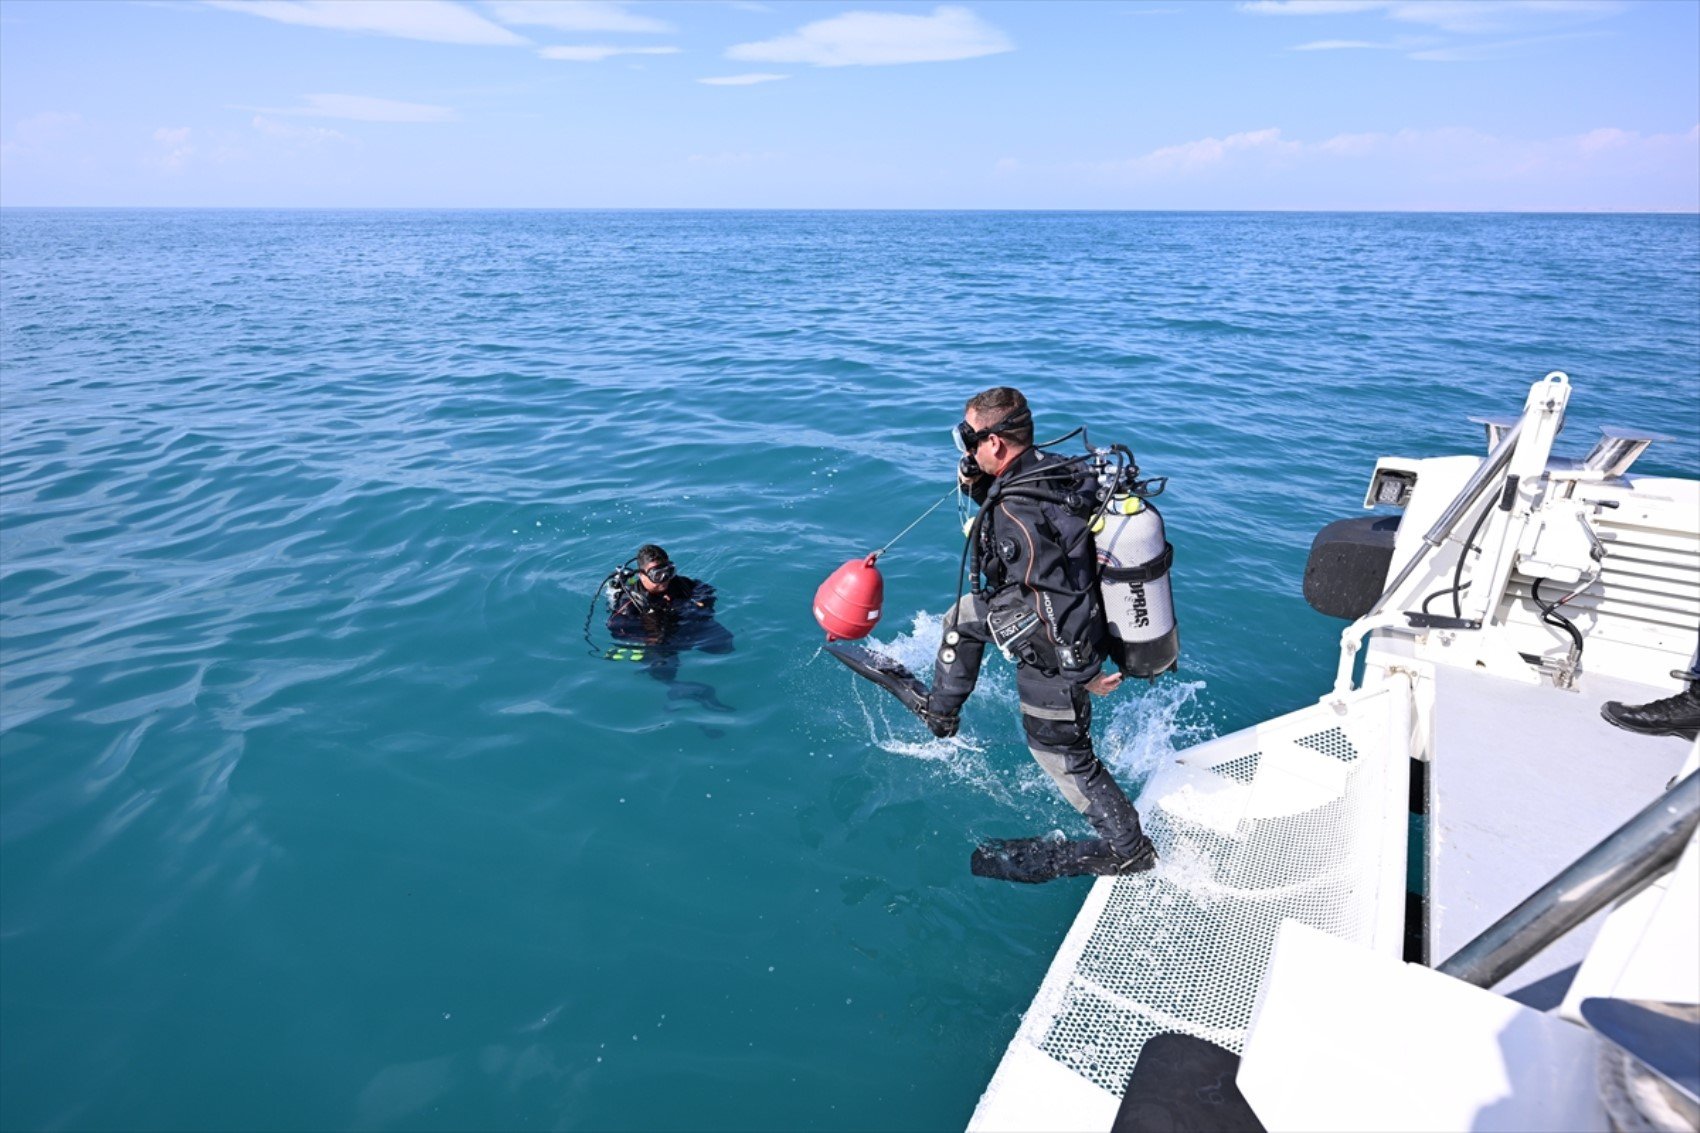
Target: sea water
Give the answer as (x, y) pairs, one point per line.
(318, 809)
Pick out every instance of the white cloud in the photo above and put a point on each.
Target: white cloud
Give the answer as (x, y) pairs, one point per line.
(436, 21)
(575, 15)
(730, 158)
(1342, 45)
(1207, 152)
(1452, 155)
(1312, 7)
(1496, 49)
(304, 135)
(40, 132)
(595, 53)
(361, 108)
(175, 148)
(1458, 16)
(872, 39)
(41, 139)
(742, 80)
(1486, 16)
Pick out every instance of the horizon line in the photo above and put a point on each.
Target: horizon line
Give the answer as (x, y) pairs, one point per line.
(1600, 211)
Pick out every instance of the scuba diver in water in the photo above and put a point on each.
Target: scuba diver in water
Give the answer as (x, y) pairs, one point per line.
(657, 613)
(1039, 602)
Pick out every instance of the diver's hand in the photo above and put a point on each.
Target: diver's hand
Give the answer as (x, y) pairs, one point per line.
(1104, 684)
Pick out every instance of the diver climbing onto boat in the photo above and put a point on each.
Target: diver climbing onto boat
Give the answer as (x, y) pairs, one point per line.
(1036, 594)
(654, 614)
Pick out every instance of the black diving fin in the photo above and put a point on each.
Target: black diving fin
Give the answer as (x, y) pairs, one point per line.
(1033, 860)
(896, 679)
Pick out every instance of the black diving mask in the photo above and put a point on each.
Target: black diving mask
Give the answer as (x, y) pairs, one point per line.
(660, 573)
(968, 438)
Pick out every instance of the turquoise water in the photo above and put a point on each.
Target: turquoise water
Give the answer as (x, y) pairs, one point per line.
(315, 809)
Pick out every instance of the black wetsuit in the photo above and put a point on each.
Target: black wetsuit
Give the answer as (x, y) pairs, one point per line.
(1037, 555)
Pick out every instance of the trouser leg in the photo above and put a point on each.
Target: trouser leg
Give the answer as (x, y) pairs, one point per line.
(1057, 716)
(1677, 715)
(961, 650)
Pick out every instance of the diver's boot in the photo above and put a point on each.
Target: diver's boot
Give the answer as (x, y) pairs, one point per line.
(1142, 859)
(892, 676)
(1677, 715)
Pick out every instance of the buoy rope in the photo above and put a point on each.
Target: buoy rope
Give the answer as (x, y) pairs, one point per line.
(912, 526)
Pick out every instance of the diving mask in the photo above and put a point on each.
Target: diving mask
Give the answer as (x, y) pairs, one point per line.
(968, 438)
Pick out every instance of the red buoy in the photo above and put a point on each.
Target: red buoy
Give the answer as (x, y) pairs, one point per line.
(847, 605)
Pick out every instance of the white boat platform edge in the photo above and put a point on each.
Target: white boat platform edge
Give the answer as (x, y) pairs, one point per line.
(1314, 866)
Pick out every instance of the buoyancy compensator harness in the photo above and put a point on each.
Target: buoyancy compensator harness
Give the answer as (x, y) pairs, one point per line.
(1131, 551)
(619, 584)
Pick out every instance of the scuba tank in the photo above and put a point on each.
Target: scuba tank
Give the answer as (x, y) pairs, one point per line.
(1130, 546)
(1133, 583)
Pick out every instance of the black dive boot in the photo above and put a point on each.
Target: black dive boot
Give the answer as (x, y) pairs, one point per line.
(897, 680)
(1142, 859)
(1677, 715)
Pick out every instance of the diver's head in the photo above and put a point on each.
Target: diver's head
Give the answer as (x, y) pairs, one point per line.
(997, 428)
(655, 569)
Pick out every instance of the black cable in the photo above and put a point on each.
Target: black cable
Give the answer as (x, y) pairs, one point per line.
(1442, 594)
(1456, 590)
(601, 591)
(1551, 616)
(1458, 583)
(1068, 436)
(612, 577)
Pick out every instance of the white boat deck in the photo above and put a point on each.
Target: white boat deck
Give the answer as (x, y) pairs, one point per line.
(1296, 829)
(1524, 781)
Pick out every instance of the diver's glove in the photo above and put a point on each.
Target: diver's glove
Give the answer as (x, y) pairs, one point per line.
(941, 724)
(972, 479)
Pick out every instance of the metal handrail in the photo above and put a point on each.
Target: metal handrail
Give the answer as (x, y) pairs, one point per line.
(1632, 855)
(1488, 471)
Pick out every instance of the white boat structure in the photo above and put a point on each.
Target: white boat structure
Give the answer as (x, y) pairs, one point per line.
(1449, 895)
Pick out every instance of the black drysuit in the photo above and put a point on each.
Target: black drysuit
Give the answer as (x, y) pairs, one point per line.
(1037, 555)
(669, 621)
(652, 618)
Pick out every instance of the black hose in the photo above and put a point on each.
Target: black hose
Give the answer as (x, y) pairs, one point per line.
(1456, 590)
(1458, 583)
(1442, 594)
(1120, 467)
(1551, 616)
(601, 591)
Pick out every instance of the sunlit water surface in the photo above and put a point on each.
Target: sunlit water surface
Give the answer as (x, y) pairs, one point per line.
(316, 809)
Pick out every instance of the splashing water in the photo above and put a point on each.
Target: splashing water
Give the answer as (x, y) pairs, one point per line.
(300, 514)
(1144, 729)
(1149, 728)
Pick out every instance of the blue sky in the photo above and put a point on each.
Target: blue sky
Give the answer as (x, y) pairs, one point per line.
(1157, 104)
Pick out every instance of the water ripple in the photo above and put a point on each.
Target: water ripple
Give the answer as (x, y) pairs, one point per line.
(308, 775)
